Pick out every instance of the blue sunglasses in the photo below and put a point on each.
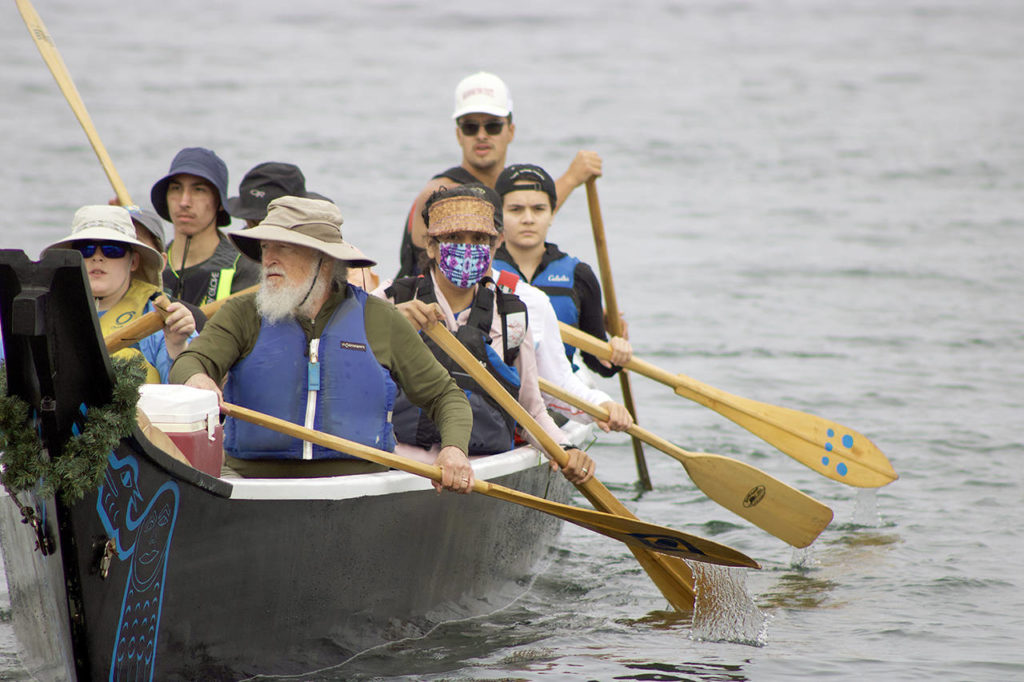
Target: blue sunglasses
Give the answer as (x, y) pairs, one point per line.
(108, 249)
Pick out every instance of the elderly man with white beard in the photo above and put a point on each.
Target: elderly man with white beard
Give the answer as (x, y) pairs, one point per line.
(309, 348)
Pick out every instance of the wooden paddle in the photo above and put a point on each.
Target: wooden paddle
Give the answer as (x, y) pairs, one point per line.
(833, 450)
(767, 502)
(613, 320)
(151, 322)
(636, 534)
(53, 60)
(672, 576)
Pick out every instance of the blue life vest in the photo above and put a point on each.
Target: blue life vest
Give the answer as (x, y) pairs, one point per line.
(493, 429)
(345, 392)
(556, 280)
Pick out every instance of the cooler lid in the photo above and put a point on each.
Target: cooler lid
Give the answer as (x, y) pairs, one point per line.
(174, 403)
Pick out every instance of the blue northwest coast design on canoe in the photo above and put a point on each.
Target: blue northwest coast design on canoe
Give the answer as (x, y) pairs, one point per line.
(141, 533)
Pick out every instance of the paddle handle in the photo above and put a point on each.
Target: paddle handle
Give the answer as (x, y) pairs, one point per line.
(638, 535)
(611, 306)
(48, 49)
(599, 412)
(151, 322)
(613, 320)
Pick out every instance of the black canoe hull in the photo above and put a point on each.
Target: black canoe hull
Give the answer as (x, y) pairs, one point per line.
(166, 573)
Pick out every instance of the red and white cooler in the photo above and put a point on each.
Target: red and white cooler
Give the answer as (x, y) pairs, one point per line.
(191, 418)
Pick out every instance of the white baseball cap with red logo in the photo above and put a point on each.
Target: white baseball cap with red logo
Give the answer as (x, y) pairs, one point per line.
(482, 93)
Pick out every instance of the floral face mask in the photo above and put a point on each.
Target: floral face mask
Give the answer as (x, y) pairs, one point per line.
(464, 264)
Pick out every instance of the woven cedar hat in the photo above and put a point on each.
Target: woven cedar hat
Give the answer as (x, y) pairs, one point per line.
(461, 214)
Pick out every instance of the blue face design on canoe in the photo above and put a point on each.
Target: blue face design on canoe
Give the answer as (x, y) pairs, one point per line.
(142, 530)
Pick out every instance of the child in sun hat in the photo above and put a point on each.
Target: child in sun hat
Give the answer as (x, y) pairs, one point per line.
(124, 277)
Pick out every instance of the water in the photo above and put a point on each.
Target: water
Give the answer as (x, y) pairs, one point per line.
(813, 204)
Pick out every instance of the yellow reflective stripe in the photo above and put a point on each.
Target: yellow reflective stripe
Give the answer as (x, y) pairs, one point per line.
(227, 276)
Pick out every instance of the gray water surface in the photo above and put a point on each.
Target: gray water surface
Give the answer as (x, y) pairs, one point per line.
(812, 204)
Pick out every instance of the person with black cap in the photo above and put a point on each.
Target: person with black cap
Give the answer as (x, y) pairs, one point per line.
(483, 129)
(262, 184)
(529, 199)
(271, 180)
(202, 265)
(311, 349)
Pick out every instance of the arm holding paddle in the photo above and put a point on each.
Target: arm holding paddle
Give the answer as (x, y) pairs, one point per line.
(584, 166)
(579, 466)
(552, 364)
(179, 326)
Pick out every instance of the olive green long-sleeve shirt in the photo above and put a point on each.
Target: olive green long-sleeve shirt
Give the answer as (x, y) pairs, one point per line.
(231, 334)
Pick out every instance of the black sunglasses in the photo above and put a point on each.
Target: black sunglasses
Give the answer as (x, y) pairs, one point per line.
(470, 128)
(109, 250)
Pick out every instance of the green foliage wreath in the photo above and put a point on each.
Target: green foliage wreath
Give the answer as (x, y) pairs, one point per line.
(80, 467)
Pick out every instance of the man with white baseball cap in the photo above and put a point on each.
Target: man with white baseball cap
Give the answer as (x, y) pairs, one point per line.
(124, 276)
(483, 129)
(311, 349)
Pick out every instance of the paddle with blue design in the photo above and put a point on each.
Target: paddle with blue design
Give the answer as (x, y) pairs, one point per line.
(829, 448)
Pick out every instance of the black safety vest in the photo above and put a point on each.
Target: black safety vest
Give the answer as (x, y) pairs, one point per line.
(493, 428)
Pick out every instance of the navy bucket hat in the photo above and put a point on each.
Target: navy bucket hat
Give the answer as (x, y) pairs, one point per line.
(202, 163)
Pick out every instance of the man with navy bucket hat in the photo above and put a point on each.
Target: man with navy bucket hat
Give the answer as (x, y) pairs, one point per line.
(202, 264)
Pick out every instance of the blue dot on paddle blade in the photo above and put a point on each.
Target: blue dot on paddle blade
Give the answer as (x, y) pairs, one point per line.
(841, 468)
(830, 433)
(848, 441)
(824, 461)
(828, 446)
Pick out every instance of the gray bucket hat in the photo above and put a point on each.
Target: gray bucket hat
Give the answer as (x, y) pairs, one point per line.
(113, 224)
(313, 223)
(202, 163)
(150, 222)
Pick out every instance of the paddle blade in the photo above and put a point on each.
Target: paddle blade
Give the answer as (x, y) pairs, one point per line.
(829, 448)
(787, 513)
(632, 531)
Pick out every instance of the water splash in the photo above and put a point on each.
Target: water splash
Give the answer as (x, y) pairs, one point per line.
(804, 559)
(866, 511)
(723, 610)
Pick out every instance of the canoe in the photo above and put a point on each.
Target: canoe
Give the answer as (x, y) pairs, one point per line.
(165, 572)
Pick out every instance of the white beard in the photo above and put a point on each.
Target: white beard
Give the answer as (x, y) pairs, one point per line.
(284, 300)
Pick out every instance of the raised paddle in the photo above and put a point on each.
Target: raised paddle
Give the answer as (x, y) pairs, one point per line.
(151, 322)
(613, 320)
(833, 450)
(53, 60)
(672, 576)
(767, 502)
(635, 533)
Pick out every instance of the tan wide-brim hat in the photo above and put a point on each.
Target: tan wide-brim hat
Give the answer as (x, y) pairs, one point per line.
(313, 223)
(113, 224)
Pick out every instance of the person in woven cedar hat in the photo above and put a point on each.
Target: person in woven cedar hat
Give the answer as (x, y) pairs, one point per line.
(309, 348)
(455, 291)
